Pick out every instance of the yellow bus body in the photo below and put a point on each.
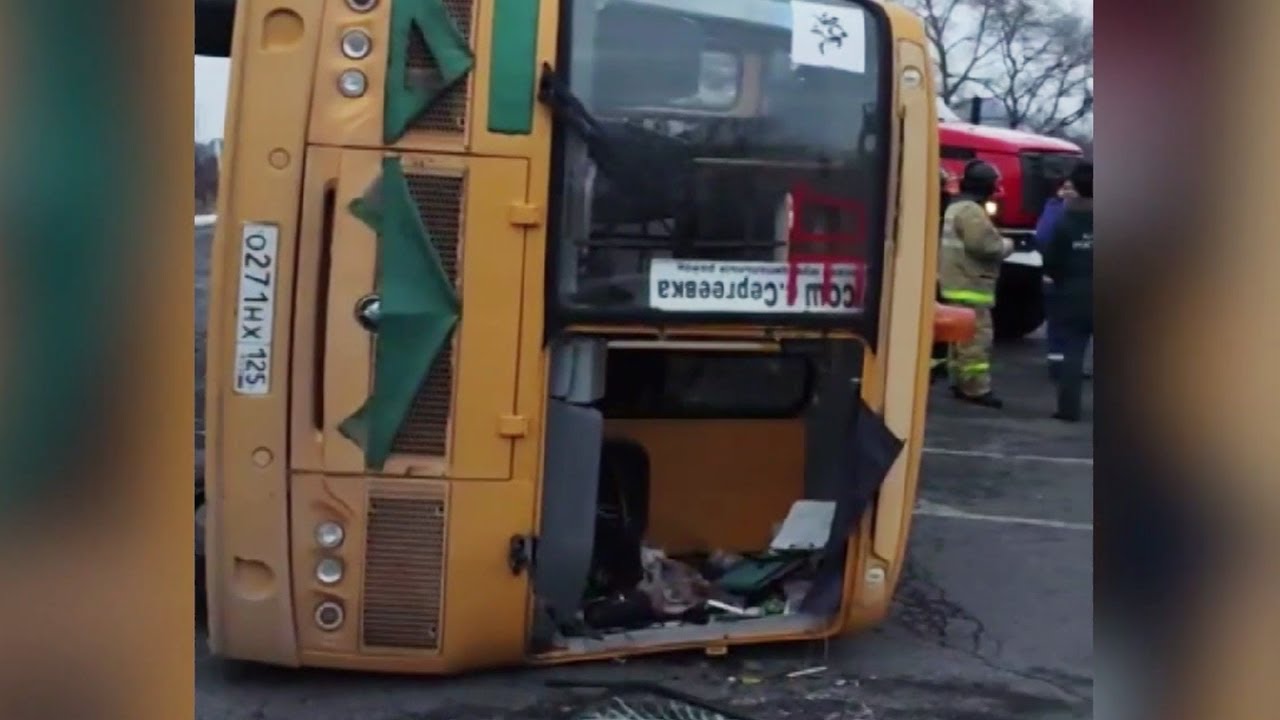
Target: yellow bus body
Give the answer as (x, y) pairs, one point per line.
(277, 463)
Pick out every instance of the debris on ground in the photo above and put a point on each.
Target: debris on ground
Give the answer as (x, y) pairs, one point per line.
(656, 588)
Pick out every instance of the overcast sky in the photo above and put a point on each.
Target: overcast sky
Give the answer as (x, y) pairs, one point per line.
(211, 87)
(211, 96)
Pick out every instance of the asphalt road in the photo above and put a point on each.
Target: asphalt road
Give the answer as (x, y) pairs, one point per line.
(993, 620)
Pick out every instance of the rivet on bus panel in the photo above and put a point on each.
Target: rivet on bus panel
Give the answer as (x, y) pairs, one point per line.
(362, 5)
(279, 158)
(262, 457)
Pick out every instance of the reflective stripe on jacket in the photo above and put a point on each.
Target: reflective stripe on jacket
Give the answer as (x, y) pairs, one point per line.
(971, 253)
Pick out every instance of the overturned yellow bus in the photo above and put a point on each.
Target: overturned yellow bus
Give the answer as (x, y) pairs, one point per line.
(553, 330)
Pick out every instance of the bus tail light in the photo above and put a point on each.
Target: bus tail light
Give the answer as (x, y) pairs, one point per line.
(329, 571)
(352, 83)
(356, 44)
(329, 615)
(329, 535)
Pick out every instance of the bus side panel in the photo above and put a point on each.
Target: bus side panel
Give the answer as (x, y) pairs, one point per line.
(314, 499)
(358, 121)
(493, 110)
(518, 37)
(427, 586)
(314, 267)
(908, 312)
(250, 604)
(909, 309)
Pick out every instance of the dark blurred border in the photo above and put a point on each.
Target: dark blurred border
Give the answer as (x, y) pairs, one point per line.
(96, 360)
(1186, 474)
(1144, 527)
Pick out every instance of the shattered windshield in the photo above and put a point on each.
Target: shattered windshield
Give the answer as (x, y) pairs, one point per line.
(720, 159)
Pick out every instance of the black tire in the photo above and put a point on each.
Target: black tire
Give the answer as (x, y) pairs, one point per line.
(1019, 306)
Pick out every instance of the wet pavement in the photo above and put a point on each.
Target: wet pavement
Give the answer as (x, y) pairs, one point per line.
(993, 619)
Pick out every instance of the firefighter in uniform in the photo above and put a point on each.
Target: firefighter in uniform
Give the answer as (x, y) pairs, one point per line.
(972, 251)
(938, 359)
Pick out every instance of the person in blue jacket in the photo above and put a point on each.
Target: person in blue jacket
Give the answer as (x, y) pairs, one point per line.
(1055, 348)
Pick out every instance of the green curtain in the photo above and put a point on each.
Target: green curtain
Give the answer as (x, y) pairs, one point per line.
(419, 311)
(431, 20)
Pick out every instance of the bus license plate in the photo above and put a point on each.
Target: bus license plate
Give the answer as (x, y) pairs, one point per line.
(256, 309)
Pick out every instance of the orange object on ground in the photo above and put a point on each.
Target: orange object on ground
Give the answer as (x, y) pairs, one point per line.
(953, 324)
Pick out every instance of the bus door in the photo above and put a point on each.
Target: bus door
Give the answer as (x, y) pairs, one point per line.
(403, 400)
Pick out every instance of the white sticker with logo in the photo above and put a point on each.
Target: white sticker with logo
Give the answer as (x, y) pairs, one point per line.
(831, 36)
(255, 312)
(753, 287)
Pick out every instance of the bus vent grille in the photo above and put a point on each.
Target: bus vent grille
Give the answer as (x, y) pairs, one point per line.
(439, 201)
(448, 113)
(404, 567)
(425, 430)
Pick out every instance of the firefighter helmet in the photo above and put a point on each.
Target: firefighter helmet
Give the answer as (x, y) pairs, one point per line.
(980, 179)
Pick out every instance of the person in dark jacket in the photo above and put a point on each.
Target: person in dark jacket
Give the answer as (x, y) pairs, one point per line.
(1068, 261)
(1044, 226)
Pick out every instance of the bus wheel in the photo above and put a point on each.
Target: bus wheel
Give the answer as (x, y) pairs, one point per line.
(1019, 306)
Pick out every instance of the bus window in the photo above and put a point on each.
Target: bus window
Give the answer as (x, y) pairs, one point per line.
(654, 384)
(678, 195)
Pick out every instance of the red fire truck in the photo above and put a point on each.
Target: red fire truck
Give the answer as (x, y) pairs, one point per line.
(1031, 166)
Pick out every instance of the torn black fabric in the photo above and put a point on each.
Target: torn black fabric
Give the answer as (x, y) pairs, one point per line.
(859, 469)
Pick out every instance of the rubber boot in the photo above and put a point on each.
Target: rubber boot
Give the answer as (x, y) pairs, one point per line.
(988, 400)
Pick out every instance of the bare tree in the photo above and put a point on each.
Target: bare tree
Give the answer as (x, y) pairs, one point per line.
(959, 38)
(1043, 65)
(1033, 56)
